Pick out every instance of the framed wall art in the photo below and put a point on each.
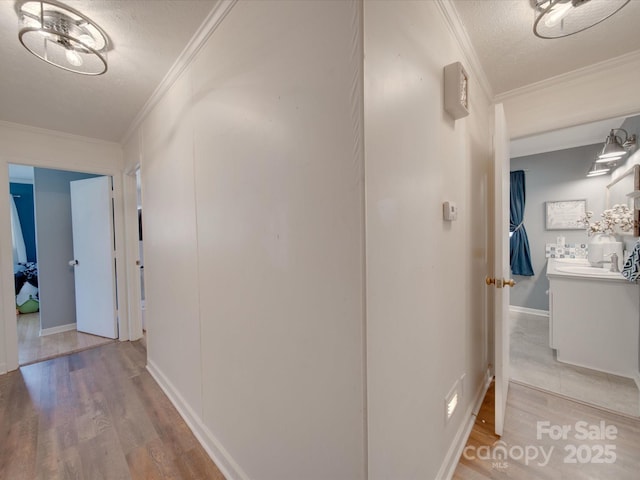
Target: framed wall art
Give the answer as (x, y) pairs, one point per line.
(565, 214)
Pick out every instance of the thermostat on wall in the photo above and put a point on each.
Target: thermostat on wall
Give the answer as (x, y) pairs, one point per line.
(449, 211)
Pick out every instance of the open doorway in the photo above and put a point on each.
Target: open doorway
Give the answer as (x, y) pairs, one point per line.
(558, 171)
(45, 283)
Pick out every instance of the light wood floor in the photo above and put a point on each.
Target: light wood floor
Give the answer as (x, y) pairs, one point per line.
(526, 407)
(96, 414)
(34, 348)
(534, 363)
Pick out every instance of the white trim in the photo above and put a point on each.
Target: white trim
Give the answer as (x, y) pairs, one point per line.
(571, 76)
(59, 329)
(36, 159)
(215, 17)
(452, 19)
(56, 133)
(528, 311)
(636, 377)
(223, 460)
(451, 459)
(3, 368)
(132, 255)
(120, 256)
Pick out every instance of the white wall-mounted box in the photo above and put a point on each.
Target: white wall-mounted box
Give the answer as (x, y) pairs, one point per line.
(456, 90)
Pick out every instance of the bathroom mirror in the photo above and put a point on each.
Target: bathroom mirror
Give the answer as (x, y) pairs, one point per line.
(625, 190)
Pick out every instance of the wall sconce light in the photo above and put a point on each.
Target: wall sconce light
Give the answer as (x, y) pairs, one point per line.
(561, 18)
(615, 147)
(598, 169)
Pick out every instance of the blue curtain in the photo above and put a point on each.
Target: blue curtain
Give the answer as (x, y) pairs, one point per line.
(519, 242)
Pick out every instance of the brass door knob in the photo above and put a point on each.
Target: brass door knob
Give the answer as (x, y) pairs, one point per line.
(499, 283)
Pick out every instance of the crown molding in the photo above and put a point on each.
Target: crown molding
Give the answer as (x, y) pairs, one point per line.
(206, 29)
(572, 76)
(452, 19)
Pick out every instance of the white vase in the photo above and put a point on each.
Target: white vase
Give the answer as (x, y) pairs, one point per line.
(601, 246)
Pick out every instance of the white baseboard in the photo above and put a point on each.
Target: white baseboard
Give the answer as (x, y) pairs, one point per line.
(223, 460)
(450, 462)
(3, 368)
(636, 377)
(529, 311)
(59, 329)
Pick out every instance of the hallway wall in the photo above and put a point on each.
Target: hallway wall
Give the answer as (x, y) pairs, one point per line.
(253, 191)
(426, 304)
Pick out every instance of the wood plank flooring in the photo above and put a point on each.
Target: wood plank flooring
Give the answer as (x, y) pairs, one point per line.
(608, 455)
(34, 348)
(98, 415)
(95, 415)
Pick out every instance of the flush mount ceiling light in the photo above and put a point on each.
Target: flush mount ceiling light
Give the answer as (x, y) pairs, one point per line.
(62, 36)
(615, 147)
(561, 18)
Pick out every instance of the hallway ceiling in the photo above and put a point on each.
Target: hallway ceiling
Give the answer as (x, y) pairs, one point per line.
(501, 32)
(147, 36)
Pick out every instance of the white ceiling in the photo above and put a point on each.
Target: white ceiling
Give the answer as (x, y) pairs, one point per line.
(147, 38)
(501, 32)
(149, 35)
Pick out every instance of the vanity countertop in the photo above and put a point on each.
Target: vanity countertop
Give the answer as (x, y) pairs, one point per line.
(579, 268)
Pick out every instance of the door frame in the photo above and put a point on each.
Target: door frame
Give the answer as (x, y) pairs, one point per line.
(501, 265)
(7, 294)
(132, 247)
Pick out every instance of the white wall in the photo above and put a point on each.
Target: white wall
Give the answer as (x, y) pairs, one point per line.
(43, 148)
(253, 199)
(426, 306)
(605, 90)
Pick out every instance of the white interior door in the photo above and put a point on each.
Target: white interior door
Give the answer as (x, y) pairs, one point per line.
(502, 268)
(93, 250)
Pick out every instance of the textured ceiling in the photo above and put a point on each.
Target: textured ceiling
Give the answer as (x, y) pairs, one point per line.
(501, 32)
(147, 37)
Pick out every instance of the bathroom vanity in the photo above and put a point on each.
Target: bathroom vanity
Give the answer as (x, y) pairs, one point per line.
(594, 317)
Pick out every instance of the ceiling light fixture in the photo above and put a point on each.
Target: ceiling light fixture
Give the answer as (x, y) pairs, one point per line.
(62, 36)
(614, 147)
(561, 18)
